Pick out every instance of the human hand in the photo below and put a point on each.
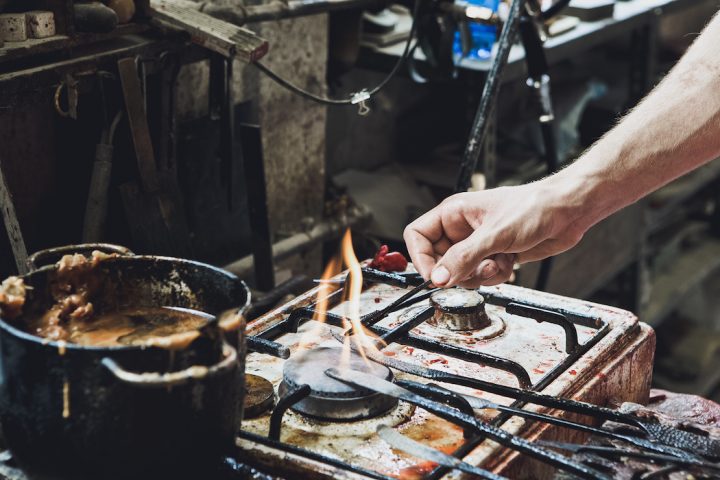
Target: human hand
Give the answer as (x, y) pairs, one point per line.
(473, 239)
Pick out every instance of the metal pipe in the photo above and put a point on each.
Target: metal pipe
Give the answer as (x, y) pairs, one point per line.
(241, 14)
(490, 90)
(300, 242)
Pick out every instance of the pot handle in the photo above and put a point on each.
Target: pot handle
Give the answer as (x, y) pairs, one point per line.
(40, 258)
(156, 379)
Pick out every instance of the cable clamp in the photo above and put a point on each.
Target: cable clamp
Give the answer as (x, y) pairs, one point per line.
(360, 99)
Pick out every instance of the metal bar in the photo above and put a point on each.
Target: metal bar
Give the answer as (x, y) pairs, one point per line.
(542, 315)
(403, 280)
(492, 86)
(364, 380)
(323, 231)
(283, 404)
(443, 395)
(310, 455)
(509, 366)
(405, 327)
(374, 317)
(480, 403)
(400, 442)
(263, 345)
(624, 452)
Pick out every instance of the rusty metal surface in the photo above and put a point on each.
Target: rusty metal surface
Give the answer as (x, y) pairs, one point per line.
(617, 367)
(259, 396)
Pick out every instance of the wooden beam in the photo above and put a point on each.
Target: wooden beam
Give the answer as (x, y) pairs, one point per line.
(217, 35)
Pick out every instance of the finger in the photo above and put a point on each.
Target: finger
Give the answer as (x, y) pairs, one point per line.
(442, 246)
(419, 237)
(487, 269)
(491, 271)
(502, 277)
(461, 259)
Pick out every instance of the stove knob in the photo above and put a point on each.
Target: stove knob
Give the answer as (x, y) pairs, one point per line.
(459, 309)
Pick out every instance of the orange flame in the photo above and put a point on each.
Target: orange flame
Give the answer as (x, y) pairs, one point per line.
(333, 267)
(361, 338)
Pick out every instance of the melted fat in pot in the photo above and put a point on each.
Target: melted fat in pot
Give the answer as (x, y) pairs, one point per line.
(132, 326)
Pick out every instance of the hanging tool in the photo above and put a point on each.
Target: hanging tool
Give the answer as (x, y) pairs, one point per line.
(153, 214)
(97, 202)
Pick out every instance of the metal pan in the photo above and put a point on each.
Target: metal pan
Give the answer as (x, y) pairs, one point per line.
(126, 411)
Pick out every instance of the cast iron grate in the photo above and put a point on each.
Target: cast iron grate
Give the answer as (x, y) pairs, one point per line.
(402, 334)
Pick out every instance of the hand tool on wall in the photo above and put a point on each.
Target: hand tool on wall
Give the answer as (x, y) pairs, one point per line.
(155, 222)
(97, 202)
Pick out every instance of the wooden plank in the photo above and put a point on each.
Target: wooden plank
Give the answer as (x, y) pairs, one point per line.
(219, 36)
(12, 226)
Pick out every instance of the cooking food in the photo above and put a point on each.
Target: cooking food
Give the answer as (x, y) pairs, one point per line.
(132, 326)
(73, 317)
(12, 297)
(89, 409)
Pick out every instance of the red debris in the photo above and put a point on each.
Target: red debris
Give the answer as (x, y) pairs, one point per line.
(538, 371)
(388, 261)
(377, 299)
(437, 360)
(573, 372)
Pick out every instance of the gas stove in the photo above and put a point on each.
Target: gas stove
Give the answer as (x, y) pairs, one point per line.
(378, 396)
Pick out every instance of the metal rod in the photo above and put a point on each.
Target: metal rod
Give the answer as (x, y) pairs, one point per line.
(262, 345)
(492, 85)
(481, 403)
(356, 378)
(400, 442)
(543, 315)
(282, 406)
(378, 315)
(323, 231)
(310, 455)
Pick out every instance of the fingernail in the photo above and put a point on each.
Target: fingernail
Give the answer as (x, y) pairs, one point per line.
(489, 271)
(440, 276)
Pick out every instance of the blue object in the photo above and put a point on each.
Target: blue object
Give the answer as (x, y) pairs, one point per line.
(483, 36)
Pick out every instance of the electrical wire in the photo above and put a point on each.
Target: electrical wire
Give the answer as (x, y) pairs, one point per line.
(358, 97)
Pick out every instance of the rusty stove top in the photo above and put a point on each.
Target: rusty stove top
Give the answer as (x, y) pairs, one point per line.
(536, 341)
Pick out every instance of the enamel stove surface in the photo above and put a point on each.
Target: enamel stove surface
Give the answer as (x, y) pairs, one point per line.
(603, 356)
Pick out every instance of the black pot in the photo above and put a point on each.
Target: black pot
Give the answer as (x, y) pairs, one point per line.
(126, 411)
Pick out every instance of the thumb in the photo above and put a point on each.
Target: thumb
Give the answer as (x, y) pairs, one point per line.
(461, 260)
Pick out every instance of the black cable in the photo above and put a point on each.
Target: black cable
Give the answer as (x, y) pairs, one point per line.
(351, 100)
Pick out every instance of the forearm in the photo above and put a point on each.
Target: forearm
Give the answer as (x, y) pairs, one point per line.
(674, 130)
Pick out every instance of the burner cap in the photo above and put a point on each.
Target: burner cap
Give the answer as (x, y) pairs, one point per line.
(459, 309)
(259, 396)
(331, 399)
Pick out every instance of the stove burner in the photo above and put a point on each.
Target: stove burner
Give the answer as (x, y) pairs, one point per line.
(330, 399)
(259, 396)
(459, 309)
